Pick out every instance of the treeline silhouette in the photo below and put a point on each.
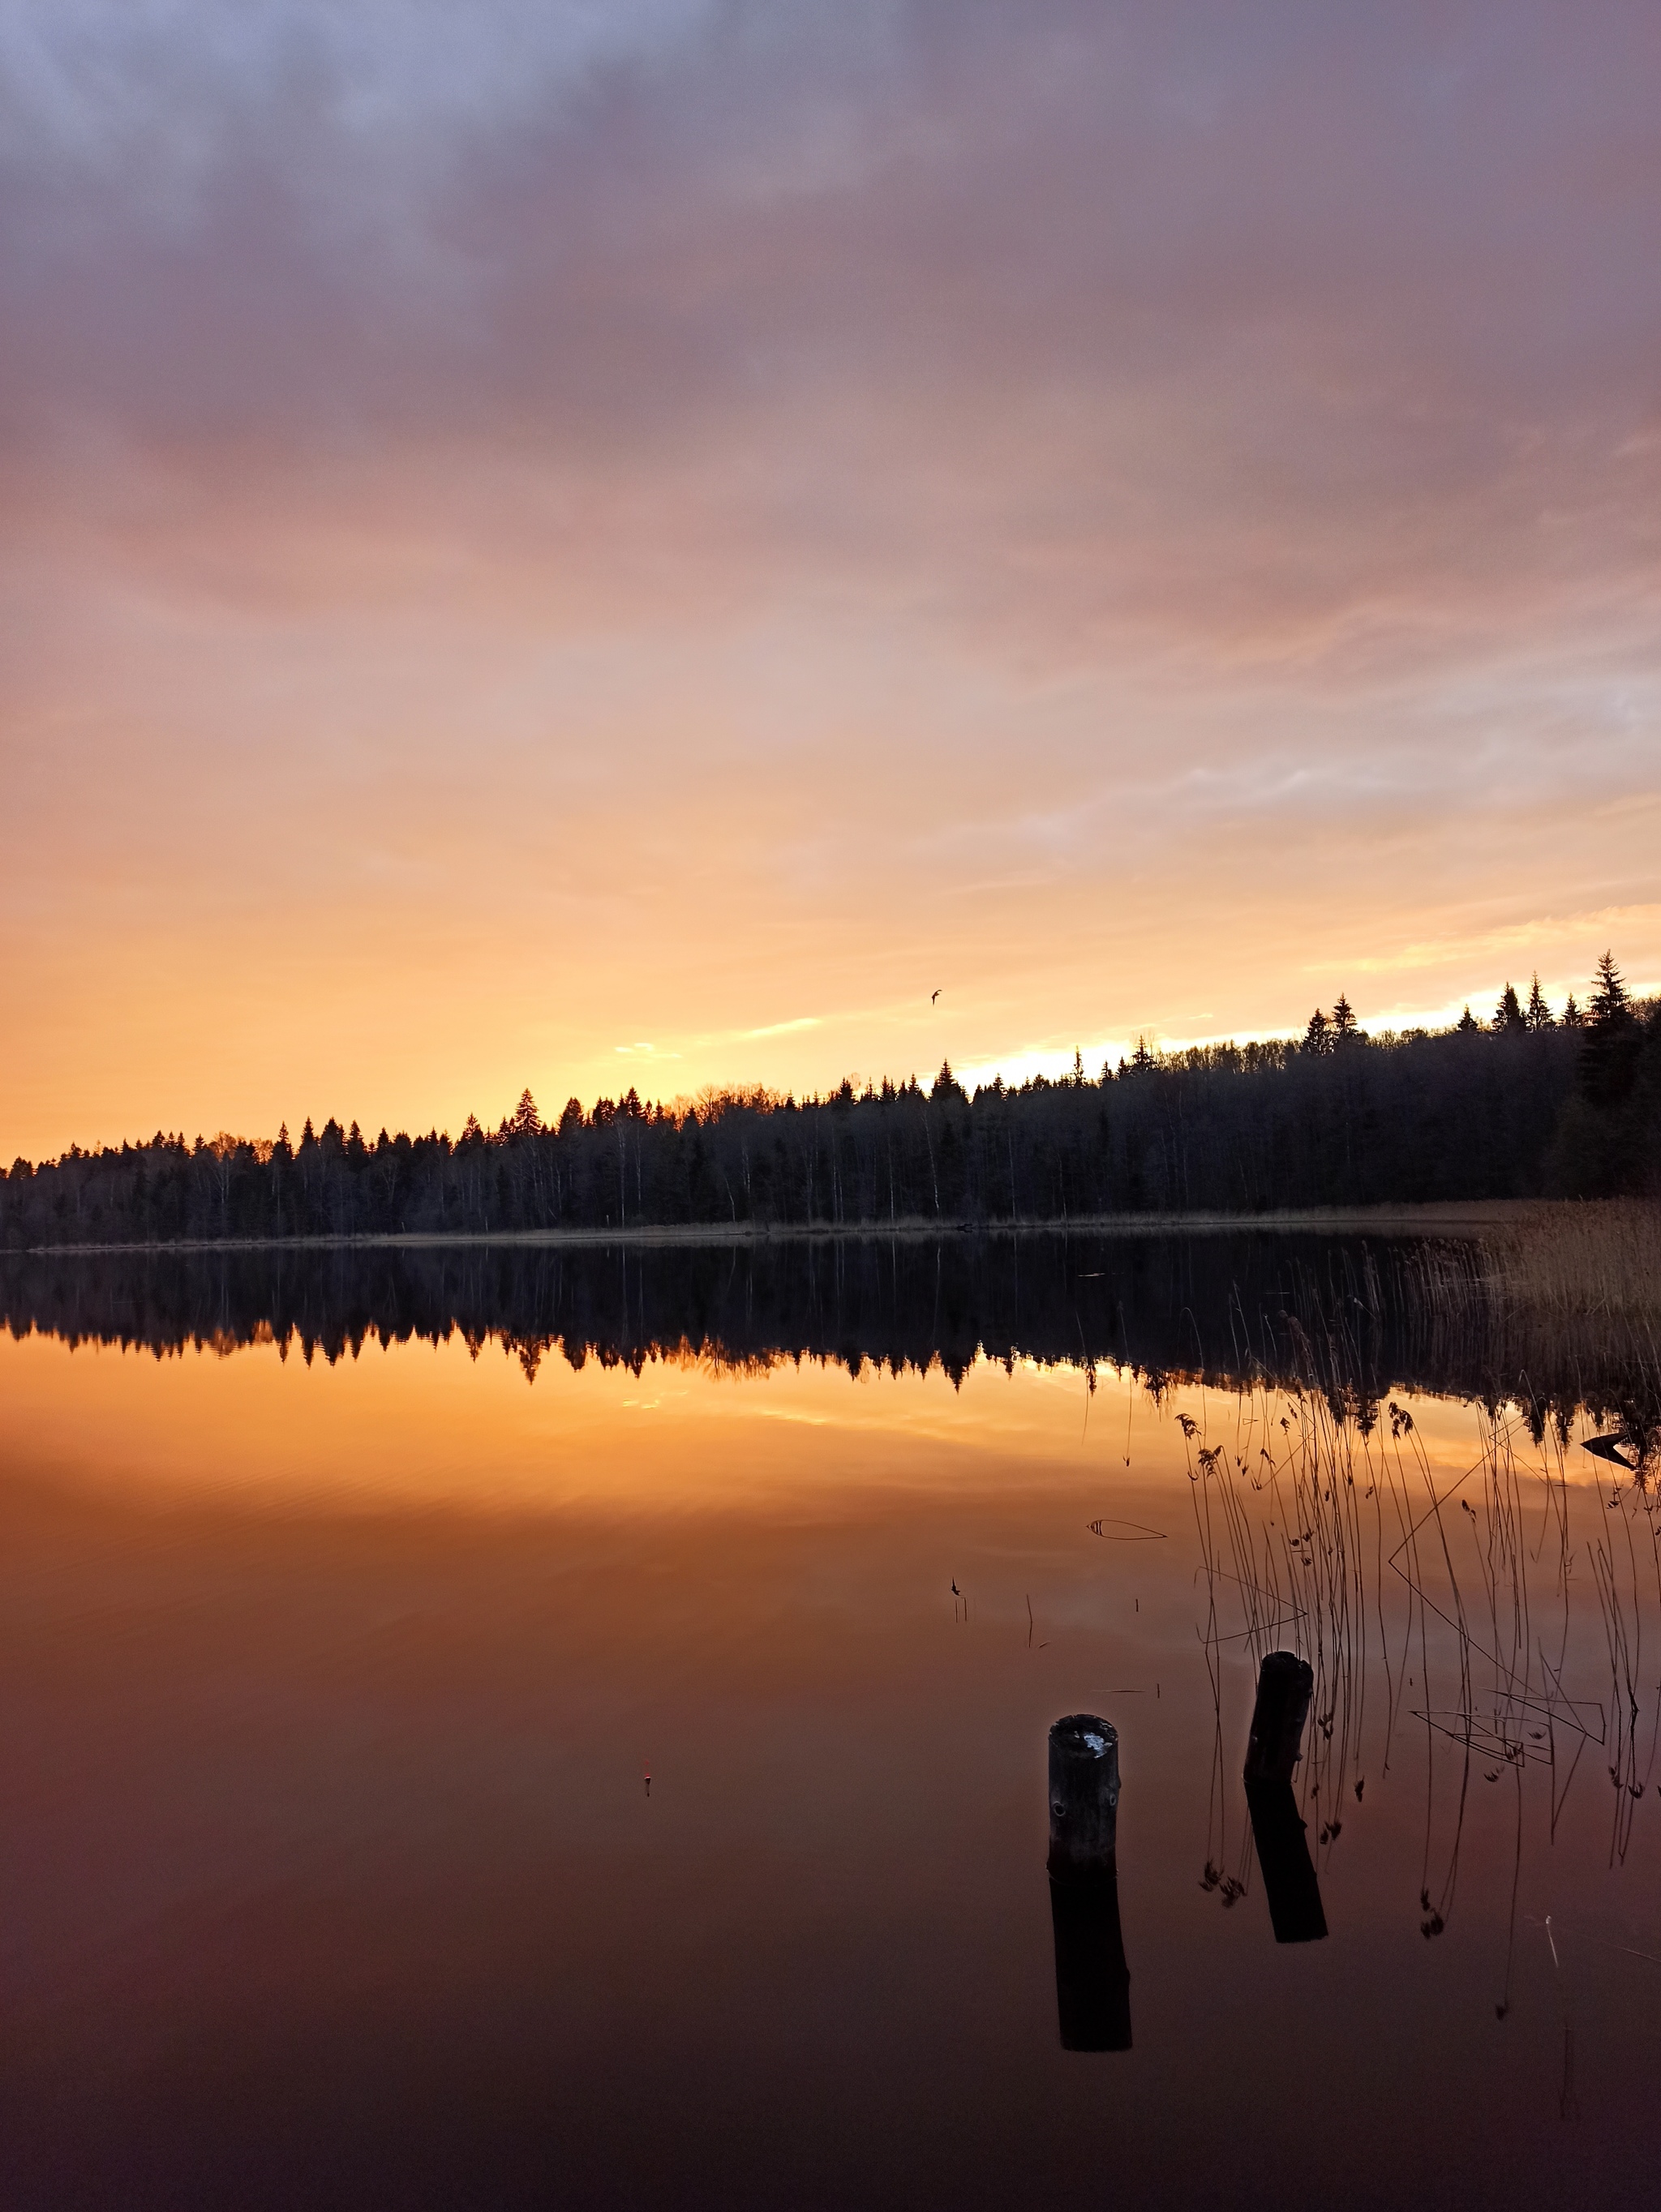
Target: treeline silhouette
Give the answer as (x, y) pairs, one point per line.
(1528, 1105)
(1351, 1318)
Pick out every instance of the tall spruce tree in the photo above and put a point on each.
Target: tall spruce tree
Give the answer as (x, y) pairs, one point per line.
(1611, 1040)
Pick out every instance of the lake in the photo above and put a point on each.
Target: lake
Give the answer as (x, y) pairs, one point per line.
(495, 1727)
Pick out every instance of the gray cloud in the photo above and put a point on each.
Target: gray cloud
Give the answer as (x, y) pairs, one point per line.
(1296, 346)
(582, 223)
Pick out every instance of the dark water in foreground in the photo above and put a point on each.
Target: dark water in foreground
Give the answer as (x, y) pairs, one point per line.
(329, 1873)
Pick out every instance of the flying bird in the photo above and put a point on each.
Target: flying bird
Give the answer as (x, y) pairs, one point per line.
(934, 995)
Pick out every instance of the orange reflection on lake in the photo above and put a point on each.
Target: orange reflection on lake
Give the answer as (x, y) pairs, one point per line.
(429, 1786)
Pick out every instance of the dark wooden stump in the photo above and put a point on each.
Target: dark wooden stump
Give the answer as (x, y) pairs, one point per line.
(1285, 1685)
(1083, 1793)
(1093, 1982)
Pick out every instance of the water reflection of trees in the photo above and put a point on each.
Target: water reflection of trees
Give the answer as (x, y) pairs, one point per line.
(1348, 1319)
(1466, 1607)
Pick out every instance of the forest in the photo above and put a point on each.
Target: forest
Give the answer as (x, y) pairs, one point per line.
(1529, 1104)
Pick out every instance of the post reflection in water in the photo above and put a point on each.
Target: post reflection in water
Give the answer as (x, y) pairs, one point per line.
(1093, 1982)
(1284, 1686)
(1289, 1882)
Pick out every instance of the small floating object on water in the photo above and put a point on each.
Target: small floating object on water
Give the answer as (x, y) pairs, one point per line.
(1609, 1448)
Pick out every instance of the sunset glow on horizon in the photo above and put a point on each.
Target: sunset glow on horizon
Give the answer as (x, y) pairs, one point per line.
(587, 546)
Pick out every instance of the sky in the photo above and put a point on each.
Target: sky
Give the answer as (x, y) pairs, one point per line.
(581, 543)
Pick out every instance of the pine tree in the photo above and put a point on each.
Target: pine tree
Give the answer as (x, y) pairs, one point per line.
(1508, 1016)
(1468, 1024)
(1573, 1017)
(527, 1121)
(1612, 1038)
(1611, 1003)
(1538, 1016)
(1345, 1027)
(1317, 1037)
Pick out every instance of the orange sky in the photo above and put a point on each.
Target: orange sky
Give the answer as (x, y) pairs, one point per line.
(579, 546)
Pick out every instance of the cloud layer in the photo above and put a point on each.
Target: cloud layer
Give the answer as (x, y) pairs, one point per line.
(540, 530)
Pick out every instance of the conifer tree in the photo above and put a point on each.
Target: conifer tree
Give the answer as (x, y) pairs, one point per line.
(1610, 1043)
(1611, 1004)
(1538, 1015)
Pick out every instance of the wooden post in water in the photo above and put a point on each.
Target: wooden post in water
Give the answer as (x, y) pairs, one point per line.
(1084, 1795)
(1285, 1686)
(1092, 1982)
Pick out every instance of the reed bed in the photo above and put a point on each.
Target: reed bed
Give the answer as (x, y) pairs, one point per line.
(1601, 1259)
(1503, 1615)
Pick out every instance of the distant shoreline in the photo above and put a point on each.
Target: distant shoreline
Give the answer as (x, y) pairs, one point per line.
(1446, 1218)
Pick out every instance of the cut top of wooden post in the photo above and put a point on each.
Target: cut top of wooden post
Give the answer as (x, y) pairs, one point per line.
(1083, 1793)
(1285, 1684)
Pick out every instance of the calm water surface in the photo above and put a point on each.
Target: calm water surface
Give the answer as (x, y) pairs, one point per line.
(426, 1786)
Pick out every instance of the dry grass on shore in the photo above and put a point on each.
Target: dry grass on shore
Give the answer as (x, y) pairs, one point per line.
(1558, 1307)
(1600, 1259)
